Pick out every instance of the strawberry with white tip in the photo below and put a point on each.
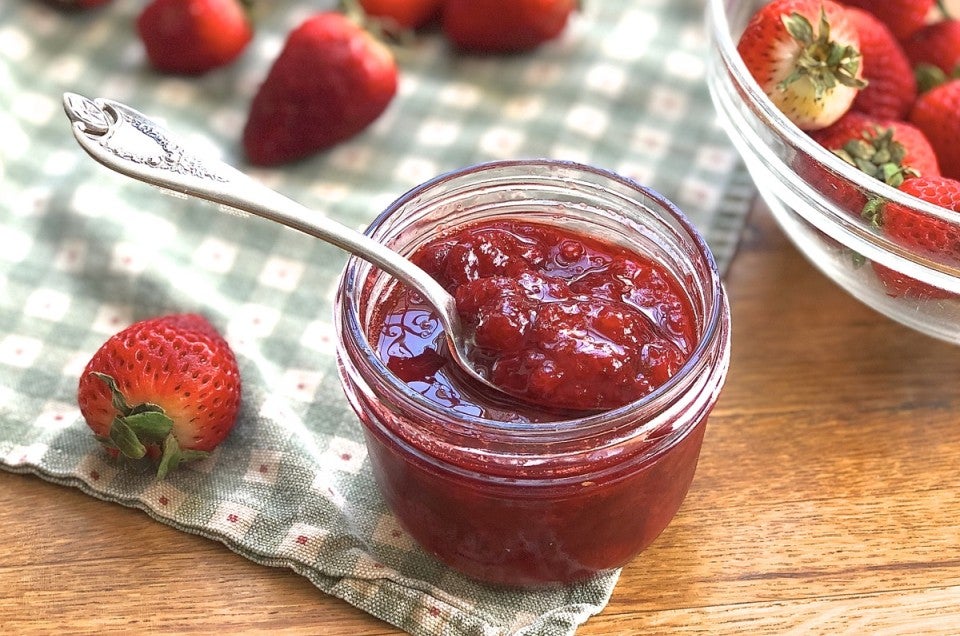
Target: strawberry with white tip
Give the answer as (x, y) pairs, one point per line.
(805, 55)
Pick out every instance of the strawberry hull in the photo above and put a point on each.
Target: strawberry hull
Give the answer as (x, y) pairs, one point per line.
(805, 56)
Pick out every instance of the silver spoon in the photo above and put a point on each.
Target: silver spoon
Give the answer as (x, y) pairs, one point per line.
(128, 142)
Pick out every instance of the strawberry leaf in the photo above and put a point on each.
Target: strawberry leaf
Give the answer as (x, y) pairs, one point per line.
(149, 426)
(146, 407)
(126, 440)
(928, 76)
(173, 456)
(105, 440)
(823, 62)
(119, 402)
(873, 212)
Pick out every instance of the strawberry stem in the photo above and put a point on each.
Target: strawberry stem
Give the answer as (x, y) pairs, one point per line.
(126, 440)
(872, 212)
(878, 155)
(822, 61)
(133, 428)
(136, 427)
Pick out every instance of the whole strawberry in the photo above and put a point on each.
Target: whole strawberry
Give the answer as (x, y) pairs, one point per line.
(193, 36)
(928, 236)
(504, 26)
(891, 87)
(166, 388)
(888, 150)
(903, 17)
(937, 113)
(331, 80)
(937, 44)
(805, 55)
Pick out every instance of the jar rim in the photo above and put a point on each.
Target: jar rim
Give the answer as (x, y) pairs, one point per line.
(582, 426)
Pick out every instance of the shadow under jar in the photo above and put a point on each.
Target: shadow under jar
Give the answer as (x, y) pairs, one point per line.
(514, 494)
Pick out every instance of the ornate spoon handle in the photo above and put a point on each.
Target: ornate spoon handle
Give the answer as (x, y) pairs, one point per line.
(128, 142)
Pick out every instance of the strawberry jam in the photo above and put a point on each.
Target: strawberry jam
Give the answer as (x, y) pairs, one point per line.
(559, 319)
(585, 291)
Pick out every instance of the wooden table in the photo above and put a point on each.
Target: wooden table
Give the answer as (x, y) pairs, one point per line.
(827, 500)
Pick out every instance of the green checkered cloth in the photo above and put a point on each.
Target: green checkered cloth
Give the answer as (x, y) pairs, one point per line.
(85, 252)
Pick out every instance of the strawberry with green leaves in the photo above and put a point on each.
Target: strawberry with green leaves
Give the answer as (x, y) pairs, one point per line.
(193, 36)
(331, 80)
(167, 388)
(805, 55)
(504, 26)
(888, 150)
(921, 234)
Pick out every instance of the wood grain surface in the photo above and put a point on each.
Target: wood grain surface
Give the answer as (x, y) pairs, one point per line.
(827, 500)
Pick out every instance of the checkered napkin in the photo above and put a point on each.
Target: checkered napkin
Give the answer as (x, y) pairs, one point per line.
(85, 252)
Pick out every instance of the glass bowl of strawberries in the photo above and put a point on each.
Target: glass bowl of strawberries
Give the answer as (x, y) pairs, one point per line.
(847, 116)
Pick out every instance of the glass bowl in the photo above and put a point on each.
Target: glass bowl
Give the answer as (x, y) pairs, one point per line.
(816, 197)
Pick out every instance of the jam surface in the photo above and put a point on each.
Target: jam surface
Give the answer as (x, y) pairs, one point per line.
(560, 319)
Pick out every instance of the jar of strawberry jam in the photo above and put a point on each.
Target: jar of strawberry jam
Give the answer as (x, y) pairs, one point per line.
(527, 494)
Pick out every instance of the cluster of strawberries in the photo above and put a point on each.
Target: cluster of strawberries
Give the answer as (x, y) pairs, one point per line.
(333, 77)
(877, 82)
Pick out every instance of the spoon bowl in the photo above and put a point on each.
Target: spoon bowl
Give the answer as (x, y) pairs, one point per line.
(130, 143)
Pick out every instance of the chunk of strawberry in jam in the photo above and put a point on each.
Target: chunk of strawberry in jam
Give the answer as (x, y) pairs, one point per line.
(491, 251)
(580, 353)
(561, 319)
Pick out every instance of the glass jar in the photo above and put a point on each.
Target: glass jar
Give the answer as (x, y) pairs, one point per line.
(535, 502)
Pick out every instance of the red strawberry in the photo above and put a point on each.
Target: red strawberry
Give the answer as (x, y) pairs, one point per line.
(937, 114)
(888, 150)
(891, 87)
(504, 26)
(898, 285)
(406, 14)
(903, 17)
(331, 80)
(167, 387)
(931, 237)
(805, 56)
(193, 36)
(937, 44)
